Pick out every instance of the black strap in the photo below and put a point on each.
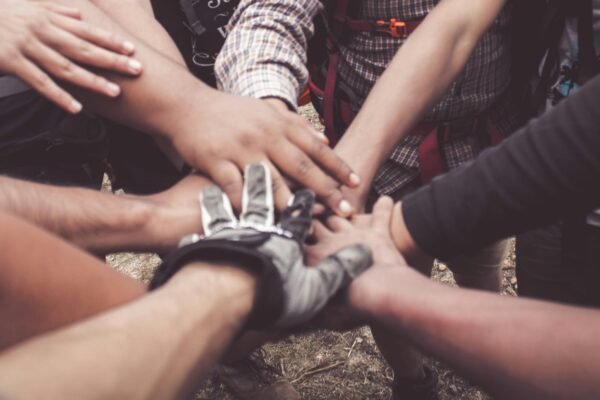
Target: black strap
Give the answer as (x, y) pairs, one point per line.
(588, 61)
(552, 29)
(193, 20)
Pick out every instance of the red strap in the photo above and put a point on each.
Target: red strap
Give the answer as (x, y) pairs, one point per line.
(495, 135)
(337, 30)
(329, 98)
(393, 27)
(430, 158)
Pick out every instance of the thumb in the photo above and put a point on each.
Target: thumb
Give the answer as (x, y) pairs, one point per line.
(338, 270)
(313, 287)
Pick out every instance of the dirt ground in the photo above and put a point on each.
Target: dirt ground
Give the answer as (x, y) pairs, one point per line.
(331, 365)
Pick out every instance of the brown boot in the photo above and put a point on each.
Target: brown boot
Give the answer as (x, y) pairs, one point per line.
(254, 379)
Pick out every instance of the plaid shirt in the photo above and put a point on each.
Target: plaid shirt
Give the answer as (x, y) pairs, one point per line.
(265, 56)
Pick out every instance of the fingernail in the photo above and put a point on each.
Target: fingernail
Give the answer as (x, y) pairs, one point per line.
(128, 46)
(113, 88)
(354, 179)
(345, 207)
(76, 106)
(134, 65)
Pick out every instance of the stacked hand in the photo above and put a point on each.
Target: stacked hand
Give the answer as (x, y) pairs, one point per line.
(290, 293)
(41, 39)
(236, 131)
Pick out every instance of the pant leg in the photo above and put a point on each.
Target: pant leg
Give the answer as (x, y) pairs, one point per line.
(137, 164)
(560, 263)
(70, 154)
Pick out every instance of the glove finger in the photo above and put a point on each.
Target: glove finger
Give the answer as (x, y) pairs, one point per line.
(297, 217)
(216, 210)
(340, 268)
(311, 288)
(257, 198)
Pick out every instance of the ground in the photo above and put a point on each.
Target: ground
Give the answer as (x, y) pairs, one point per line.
(331, 365)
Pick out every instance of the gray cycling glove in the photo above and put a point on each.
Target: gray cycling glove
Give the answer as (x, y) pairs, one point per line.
(289, 292)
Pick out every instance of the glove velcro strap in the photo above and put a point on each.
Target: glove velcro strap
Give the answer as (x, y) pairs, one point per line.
(268, 301)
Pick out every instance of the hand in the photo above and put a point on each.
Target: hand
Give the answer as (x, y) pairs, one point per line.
(235, 131)
(41, 38)
(354, 307)
(289, 292)
(176, 213)
(372, 230)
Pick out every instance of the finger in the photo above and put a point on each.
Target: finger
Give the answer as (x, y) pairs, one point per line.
(338, 224)
(95, 35)
(63, 68)
(297, 165)
(318, 209)
(281, 191)
(320, 231)
(353, 260)
(41, 82)
(66, 11)
(382, 213)
(324, 156)
(362, 221)
(297, 217)
(229, 178)
(216, 210)
(257, 197)
(82, 49)
(325, 280)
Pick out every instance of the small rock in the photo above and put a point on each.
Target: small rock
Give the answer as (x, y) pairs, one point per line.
(513, 281)
(442, 267)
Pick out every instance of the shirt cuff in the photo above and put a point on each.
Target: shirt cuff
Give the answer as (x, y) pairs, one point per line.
(269, 83)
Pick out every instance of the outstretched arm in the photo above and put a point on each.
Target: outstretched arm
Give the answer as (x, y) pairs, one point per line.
(216, 133)
(127, 353)
(102, 222)
(420, 73)
(513, 348)
(545, 172)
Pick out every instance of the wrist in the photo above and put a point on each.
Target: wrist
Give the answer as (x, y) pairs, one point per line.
(233, 287)
(123, 227)
(388, 292)
(403, 239)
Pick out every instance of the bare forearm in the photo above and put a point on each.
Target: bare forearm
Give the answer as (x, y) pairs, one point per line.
(201, 309)
(93, 220)
(161, 100)
(420, 73)
(142, 25)
(514, 348)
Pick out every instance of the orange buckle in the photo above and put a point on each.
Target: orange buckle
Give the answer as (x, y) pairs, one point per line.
(394, 28)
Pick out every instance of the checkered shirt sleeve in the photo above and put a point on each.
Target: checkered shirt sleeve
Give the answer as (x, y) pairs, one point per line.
(265, 52)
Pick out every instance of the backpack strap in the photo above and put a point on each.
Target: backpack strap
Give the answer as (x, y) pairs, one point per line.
(193, 20)
(336, 31)
(337, 26)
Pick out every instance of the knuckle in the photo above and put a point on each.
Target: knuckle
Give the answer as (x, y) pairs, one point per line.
(304, 166)
(41, 80)
(86, 49)
(10, 54)
(98, 81)
(320, 149)
(276, 184)
(66, 66)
